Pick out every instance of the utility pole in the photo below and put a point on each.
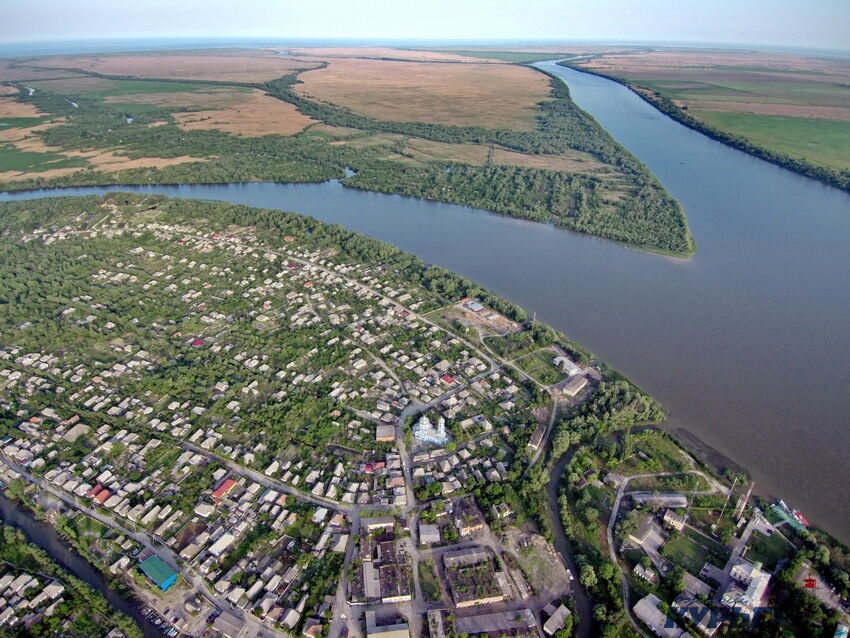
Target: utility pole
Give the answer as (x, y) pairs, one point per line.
(728, 496)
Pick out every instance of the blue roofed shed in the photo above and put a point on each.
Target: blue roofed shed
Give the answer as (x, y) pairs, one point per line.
(160, 574)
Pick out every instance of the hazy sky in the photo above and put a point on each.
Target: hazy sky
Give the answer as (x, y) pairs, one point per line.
(808, 23)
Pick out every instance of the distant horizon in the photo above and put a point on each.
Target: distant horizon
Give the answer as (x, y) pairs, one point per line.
(816, 24)
(165, 42)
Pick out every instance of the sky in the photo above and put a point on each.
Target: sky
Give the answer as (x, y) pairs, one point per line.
(787, 23)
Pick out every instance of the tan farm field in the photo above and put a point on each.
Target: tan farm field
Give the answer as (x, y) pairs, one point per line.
(107, 161)
(382, 52)
(260, 66)
(250, 115)
(477, 154)
(491, 95)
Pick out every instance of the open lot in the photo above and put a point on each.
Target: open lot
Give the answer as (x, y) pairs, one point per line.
(495, 96)
(539, 364)
(790, 103)
(768, 549)
(692, 550)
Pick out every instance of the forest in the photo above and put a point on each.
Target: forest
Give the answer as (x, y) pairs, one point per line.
(645, 216)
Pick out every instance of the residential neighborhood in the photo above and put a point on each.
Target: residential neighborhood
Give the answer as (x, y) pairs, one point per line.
(261, 434)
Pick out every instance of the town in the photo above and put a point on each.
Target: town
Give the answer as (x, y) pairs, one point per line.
(265, 432)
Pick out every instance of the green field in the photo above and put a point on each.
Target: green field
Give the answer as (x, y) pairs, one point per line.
(539, 365)
(661, 452)
(431, 589)
(692, 550)
(111, 88)
(768, 549)
(825, 142)
(13, 159)
(20, 122)
(742, 91)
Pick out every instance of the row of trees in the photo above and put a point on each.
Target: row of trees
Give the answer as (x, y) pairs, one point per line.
(839, 179)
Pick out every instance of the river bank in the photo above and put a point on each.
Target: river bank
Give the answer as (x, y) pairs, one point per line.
(667, 106)
(45, 536)
(744, 344)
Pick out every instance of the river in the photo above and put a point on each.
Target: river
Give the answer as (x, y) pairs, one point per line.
(746, 344)
(45, 536)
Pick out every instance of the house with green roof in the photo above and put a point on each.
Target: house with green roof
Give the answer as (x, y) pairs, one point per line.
(158, 572)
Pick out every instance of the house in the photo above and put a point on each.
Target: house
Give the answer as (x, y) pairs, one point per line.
(158, 572)
(436, 623)
(468, 519)
(644, 529)
(312, 628)
(566, 365)
(574, 386)
(745, 593)
(537, 437)
(221, 545)
(395, 630)
(378, 522)
(428, 534)
(674, 500)
(646, 609)
(706, 620)
(472, 578)
(385, 433)
(556, 620)
(228, 625)
(674, 520)
(647, 573)
(223, 489)
(395, 583)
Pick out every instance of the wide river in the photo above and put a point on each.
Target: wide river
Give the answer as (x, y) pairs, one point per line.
(747, 344)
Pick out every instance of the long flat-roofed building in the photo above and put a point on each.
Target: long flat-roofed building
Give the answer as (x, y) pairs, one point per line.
(504, 623)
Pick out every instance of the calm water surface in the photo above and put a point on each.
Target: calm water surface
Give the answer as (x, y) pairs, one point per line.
(45, 536)
(746, 344)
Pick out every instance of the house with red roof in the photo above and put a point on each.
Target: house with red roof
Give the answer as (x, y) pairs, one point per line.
(223, 489)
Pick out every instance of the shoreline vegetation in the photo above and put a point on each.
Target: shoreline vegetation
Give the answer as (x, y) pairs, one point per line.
(831, 177)
(616, 429)
(621, 201)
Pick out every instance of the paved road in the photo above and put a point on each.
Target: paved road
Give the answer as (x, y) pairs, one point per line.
(148, 542)
(271, 483)
(612, 521)
(340, 607)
